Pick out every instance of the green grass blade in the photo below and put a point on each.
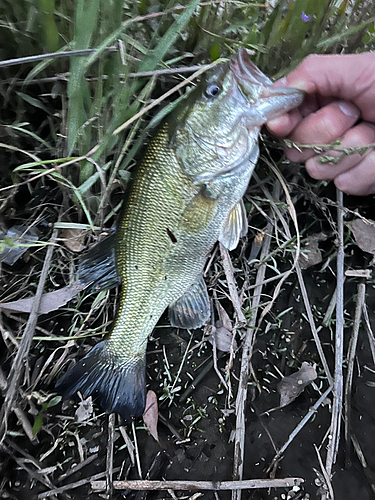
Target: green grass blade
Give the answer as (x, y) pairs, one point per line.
(327, 42)
(50, 31)
(157, 54)
(86, 20)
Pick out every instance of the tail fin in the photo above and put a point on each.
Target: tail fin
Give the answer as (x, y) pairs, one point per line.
(118, 384)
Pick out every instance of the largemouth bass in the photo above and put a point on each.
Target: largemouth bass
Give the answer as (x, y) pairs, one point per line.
(186, 195)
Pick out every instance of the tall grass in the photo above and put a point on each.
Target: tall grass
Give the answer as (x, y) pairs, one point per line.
(130, 37)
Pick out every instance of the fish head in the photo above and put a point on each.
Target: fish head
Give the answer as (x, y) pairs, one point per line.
(217, 128)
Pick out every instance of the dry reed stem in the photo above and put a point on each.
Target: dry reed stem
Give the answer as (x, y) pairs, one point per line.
(339, 344)
(228, 270)
(361, 457)
(331, 307)
(25, 422)
(299, 274)
(65, 76)
(137, 458)
(325, 475)
(77, 467)
(313, 328)
(21, 415)
(299, 427)
(128, 443)
(239, 442)
(72, 486)
(370, 333)
(361, 291)
(57, 166)
(109, 457)
(239, 445)
(293, 216)
(160, 99)
(199, 485)
(26, 464)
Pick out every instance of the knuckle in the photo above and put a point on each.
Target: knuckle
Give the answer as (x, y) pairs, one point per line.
(330, 127)
(310, 61)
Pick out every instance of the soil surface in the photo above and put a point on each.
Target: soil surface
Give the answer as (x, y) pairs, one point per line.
(196, 430)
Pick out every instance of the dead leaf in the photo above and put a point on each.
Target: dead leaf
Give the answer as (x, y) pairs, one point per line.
(84, 410)
(151, 414)
(291, 387)
(15, 242)
(364, 235)
(223, 339)
(311, 254)
(223, 331)
(50, 300)
(223, 317)
(73, 239)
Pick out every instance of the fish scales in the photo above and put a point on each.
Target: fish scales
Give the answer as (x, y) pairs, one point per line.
(186, 195)
(146, 253)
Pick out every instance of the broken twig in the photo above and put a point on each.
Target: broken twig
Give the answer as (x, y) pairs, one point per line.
(239, 444)
(199, 485)
(339, 343)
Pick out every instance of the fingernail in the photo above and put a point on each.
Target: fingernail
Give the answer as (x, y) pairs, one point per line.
(304, 85)
(349, 109)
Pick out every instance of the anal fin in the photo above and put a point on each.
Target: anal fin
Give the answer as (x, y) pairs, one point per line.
(235, 226)
(192, 310)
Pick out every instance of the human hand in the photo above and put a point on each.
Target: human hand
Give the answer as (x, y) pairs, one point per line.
(340, 103)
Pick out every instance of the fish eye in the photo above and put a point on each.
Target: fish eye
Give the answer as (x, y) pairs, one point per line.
(212, 90)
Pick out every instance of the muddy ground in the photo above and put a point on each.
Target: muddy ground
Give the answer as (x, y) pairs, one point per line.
(195, 430)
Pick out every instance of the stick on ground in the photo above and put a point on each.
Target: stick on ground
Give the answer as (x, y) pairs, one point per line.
(361, 291)
(18, 366)
(239, 443)
(199, 485)
(339, 344)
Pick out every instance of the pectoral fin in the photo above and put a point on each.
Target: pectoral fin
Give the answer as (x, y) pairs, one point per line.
(192, 310)
(235, 226)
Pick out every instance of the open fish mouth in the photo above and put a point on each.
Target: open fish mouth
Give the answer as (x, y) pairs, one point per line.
(247, 74)
(266, 102)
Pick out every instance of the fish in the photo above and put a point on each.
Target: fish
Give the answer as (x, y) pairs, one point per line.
(186, 195)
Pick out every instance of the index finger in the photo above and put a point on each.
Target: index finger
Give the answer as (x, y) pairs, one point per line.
(284, 124)
(350, 77)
